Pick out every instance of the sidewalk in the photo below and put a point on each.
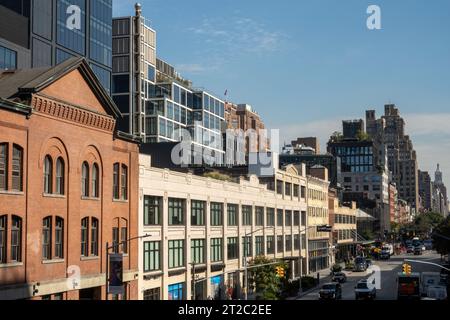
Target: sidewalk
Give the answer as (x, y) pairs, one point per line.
(324, 278)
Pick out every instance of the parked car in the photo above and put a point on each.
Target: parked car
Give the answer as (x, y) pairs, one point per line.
(331, 291)
(418, 251)
(369, 263)
(339, 277)
(360, 264)
(365, 290)
(428, 244)
(385, 255)
(410, 249)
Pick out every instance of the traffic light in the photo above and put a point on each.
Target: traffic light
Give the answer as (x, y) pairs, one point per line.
(280, 272)
(407, 268)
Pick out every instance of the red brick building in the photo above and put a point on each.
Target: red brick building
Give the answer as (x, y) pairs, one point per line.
(68, 185)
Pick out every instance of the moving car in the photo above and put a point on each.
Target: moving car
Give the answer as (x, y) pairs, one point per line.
(365, 290)
(428, 244)
(385, 255)
(331, 291)
(409, 249)
(388, 248)
(418, 251)
(360, 264)
(339, 277)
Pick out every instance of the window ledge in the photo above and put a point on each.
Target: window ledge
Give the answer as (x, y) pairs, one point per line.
(54, 261)
(90, 198)
(12, 193)
(120, 200)
(11, 265)
(57, 196)
(89, 258)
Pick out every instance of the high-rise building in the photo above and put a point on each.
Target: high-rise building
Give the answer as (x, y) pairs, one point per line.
(364, 176)
(309, 142)
(439, 193)
(157, 103)
(425, 190)
(402, 158)
(37, 33)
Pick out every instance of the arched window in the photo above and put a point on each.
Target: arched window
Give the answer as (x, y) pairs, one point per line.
(85, 180)
(17, 168)
(3, 233)
(116, 181)
(94, 237)
(3, 166)
(95, 181)
(48, 175)
(47, 238)
(16, 239)
(124, 182)
(60, 176)
(59, 238)
(84, 237)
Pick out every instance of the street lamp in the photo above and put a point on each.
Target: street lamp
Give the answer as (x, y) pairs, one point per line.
(115, 246)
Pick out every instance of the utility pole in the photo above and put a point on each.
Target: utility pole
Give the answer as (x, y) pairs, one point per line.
(193, 281)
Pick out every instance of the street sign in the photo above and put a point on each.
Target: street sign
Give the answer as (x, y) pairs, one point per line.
(115, 282)
(324, 228)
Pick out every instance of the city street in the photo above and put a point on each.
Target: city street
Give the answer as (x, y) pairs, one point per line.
(389, 270)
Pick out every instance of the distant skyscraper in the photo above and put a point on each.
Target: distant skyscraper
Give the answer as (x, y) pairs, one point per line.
(402, 158)
(34, 33)
(425, 190)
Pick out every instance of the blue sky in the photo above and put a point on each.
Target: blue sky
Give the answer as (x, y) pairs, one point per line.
(305, 65)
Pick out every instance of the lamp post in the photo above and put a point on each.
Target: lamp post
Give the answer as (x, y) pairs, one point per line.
(107, 256)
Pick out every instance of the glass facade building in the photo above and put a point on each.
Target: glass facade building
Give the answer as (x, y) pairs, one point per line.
(60, 29)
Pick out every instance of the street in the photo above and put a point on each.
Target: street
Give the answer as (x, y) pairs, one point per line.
(389, 270)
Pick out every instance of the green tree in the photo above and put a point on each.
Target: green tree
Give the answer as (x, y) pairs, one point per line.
(441, 236)
(336, 136)
(362, 136)
(425, 222)
(265, 280)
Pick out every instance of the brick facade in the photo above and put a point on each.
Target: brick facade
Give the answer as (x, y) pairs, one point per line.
(69, 120)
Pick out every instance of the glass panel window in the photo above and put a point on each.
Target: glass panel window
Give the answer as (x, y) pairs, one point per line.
(115, 239)
(259, 215)
(8, 58)
(216, 214)
(176, 212)
(116, 181)
(152, 210)
(84, 237)
(216, 250)
(176, 291)
(47, 238)
(101, 31)
(85, 180)
(232, 248)
(60, 176)
(232, 214)
(59, 238)
(296, 190)
(3, 166)
(3, 224)
(270, 217)
(124, 239)
(198, 213)
(48, 169)
(279, 217)
(152, 294)
(259, 246)
(198, 251)
(296, 242)
(247, 246)
(16, 239)
(176, 254)
(152, 256)
(73, 38)
(95, 181)
(288, 219)
(270, 244)
(247, 215)
(296, 218)
(124, 182)
(94, 237)
(280, 244)
(288, 243)
(17, 168)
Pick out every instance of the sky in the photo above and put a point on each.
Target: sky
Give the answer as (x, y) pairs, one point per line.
(306, 65)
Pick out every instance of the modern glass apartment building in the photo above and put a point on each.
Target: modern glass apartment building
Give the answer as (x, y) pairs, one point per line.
(49, 32)
(157, 104)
